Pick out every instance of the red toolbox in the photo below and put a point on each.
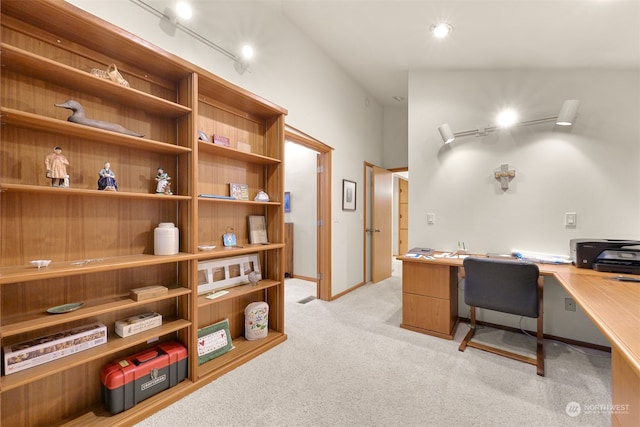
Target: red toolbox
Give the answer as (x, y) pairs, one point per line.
(129, 381)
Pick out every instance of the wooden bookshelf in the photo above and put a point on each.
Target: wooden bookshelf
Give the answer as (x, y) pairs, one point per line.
(101, 242)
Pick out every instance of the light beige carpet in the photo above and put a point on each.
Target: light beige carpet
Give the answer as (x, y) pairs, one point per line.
(348, 363)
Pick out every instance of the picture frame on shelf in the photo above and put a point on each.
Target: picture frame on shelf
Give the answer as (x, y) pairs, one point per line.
(257, 229)
(213, 341)
(287, 201)
(224, 273)
(348, 195)
(239, 191)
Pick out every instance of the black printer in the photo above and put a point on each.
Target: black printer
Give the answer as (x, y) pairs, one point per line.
(618, 261)
(585, 251)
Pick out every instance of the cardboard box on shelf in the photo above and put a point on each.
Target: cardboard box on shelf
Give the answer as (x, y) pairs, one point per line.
(138, 323)
(27, 354)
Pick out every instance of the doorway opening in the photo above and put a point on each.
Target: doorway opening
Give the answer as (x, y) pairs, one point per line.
(322, 246)
(386, 220)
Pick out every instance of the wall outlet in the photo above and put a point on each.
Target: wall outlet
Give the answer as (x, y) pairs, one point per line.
(569, 304)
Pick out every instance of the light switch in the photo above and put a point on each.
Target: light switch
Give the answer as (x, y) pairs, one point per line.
(570, 219)
(431, 218)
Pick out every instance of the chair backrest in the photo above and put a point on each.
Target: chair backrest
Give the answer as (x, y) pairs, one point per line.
(502, 285)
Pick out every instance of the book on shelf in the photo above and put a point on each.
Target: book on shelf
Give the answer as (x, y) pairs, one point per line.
(221, 140)
(239, 191)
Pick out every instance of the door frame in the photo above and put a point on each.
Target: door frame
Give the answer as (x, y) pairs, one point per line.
(397, 177)
(323, 240)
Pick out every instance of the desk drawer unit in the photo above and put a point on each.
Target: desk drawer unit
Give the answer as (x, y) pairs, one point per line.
(430, 298)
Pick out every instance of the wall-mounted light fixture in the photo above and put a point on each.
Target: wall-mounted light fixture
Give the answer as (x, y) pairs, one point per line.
(566, 117)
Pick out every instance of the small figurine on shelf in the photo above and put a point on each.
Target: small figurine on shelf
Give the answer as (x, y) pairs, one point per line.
(164, 182)
(254, 277)
(56, 164)
(107, 179)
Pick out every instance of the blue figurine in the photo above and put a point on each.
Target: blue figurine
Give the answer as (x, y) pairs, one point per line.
(107, 179)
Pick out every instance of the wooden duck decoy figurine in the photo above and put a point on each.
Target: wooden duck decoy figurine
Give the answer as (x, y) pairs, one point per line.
(79, 117)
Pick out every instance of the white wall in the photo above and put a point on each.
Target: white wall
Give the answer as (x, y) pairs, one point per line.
(591, 169)
(300, 179)
(290, 71)
(396, 128)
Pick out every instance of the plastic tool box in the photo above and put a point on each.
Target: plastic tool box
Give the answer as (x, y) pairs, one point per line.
(129, 381)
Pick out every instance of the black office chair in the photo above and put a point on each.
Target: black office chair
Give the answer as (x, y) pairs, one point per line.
(509, 287)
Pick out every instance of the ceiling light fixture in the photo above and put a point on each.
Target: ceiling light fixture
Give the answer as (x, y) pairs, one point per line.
(506, 118)
(441, 31)
(183, 9)
(173, 16)
(566, 117)
(247, 51)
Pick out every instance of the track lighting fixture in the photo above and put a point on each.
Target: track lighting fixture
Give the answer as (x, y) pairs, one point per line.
(566, 117)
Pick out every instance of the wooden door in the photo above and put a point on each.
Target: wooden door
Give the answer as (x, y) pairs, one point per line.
(403, 216)
(381, 221)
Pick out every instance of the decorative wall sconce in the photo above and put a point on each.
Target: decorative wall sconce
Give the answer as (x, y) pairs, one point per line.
(505, 176)
(566, 117)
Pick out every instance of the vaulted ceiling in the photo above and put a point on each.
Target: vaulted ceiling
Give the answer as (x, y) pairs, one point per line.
(378, 41)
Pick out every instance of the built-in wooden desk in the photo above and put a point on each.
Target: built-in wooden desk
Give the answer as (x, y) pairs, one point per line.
(612, 305)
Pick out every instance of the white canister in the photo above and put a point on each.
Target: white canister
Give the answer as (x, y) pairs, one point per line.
(256, 321)
(166, 239)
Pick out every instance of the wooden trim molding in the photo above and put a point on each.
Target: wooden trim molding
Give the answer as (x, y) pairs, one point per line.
(324, 207)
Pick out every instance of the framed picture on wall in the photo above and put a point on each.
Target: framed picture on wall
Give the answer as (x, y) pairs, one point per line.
(287, 201)
(348, 195)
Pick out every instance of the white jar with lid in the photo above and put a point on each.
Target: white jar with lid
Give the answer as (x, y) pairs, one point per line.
(166, 239)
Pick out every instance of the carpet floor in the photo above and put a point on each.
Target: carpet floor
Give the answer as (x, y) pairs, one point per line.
(348, 363)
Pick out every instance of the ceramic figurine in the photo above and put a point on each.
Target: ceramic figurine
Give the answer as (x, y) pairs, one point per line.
(261, 197)
(107, 179)
(254, 277)
(203, 136)
(79, 117)
(164, 182)
(56, 165)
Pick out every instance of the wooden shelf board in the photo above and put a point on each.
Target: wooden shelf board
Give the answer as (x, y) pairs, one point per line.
(45, 189)
(246, 202)
(222, 252)
(27, 273)
(24, 119)
(232, 153)
(113, 345)
(216, 89)
(24, 62)
(97, 415)
(243, 351)
(22, 324)
(236, 292)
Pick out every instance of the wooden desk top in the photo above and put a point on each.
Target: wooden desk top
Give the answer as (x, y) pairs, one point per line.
(613, 306)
